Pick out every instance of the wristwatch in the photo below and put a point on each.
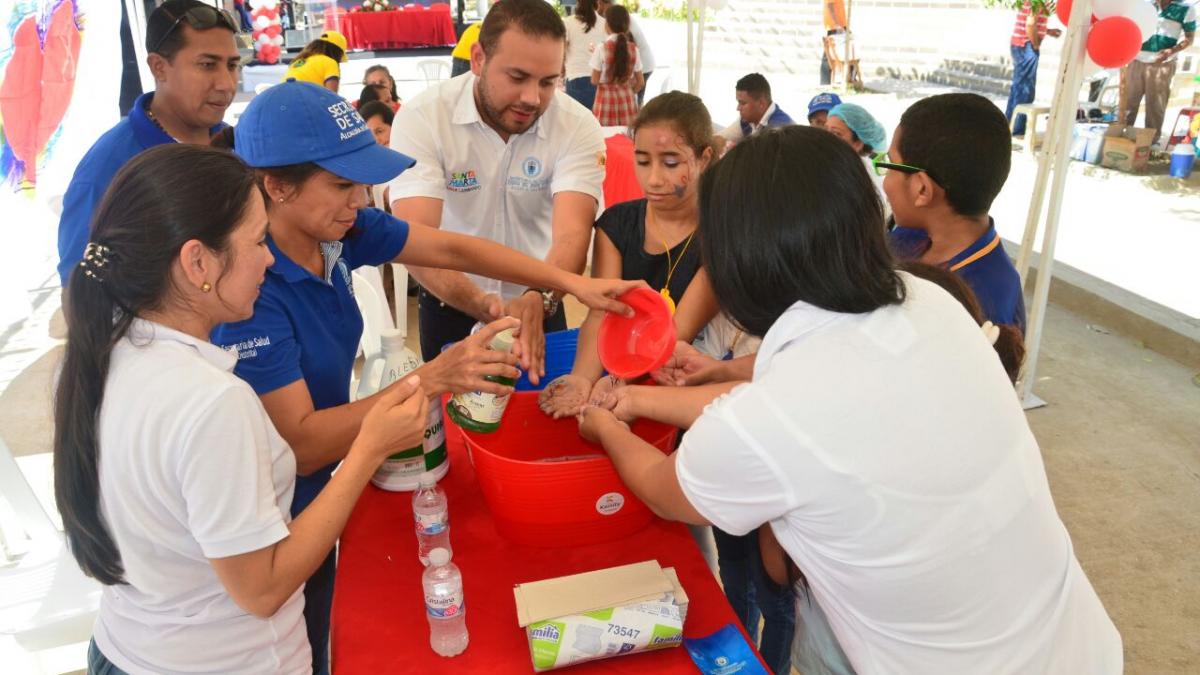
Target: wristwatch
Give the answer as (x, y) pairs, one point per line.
(549, 301)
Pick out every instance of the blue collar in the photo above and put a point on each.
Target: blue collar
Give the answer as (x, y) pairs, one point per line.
(291, 272)
(147, 133)
(983, 240)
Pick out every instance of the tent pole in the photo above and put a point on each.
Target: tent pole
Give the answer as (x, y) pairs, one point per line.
(691, 66)
(1069, 81)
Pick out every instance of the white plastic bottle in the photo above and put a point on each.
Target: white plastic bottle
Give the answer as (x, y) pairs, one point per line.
(401, 471)
(444, 605)
(431, 513)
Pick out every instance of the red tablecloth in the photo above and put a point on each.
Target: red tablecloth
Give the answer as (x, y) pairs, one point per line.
(401, 29)
(620, 182)
(379, 623)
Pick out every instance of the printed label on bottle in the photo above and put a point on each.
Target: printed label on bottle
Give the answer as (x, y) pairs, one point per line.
(446, 607)
(430, 523)
(609, 503)
(481, 407)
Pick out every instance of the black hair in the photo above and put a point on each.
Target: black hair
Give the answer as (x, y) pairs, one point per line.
(164, 29)
(163, 198)
(790, 215)
(322, 47)
(391, 80)
(617, 18)
(683, 111)
(964, 140)
(535, 18)
(585, 11)
(373, 108)
(756, 85)
(370, 93)
(1010, 346)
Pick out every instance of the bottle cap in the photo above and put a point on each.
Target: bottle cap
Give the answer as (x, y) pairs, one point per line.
(391, 339)
(427, 479)
(503, 341)
(439, 556)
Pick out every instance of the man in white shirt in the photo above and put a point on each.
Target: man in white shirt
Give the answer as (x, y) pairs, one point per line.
(645, 53)
(756, 110)
(502, 154)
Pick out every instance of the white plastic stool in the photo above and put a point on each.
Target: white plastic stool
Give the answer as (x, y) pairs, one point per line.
(1032, 112)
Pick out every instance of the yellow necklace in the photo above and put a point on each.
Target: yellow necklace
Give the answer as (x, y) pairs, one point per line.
(665, 292)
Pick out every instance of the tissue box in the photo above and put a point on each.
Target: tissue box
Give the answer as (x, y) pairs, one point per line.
(1127, 148)
(601, 614)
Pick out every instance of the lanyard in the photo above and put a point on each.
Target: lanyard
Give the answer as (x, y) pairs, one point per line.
(665, 292)
(991, 246)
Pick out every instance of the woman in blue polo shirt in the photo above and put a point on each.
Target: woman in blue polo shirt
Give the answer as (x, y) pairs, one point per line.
(315, 155)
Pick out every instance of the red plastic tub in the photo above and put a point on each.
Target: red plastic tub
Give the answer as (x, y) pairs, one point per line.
(548, 487)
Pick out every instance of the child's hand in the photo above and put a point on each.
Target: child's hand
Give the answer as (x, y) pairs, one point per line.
(565, 396)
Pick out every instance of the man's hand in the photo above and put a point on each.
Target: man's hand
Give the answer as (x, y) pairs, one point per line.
(1053, 32)
(488, 307)
(599, 293)
(688, 366)
(1163, 55)
(532, 339)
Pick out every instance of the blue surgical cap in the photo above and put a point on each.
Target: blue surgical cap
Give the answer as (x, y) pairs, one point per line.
(867, 128)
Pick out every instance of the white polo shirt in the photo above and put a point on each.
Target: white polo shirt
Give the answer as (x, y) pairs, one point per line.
(895, 466)
(489, 188)
(191, 468)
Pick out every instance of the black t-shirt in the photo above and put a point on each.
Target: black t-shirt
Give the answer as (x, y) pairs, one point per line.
(625, 225)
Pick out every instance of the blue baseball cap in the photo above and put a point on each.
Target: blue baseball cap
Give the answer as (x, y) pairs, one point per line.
(823, 103)
(298, 122)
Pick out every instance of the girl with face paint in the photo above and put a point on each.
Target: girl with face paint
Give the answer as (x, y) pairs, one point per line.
(650, 239)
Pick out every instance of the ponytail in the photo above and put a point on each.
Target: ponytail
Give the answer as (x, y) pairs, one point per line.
(163, 198)
(618, 22)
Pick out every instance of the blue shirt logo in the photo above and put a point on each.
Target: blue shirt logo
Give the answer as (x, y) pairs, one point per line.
(532, 166)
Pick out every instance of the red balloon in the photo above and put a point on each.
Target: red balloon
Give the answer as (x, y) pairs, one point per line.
(1114, 41)
(1063, 10)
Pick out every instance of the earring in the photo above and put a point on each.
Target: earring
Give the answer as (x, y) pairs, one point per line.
(205, 287)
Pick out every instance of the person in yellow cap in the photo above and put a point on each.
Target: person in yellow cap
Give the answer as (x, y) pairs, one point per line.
(319, 61)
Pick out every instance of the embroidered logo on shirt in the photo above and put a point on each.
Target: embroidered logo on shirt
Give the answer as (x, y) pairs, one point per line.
(463, 181)
(248, 348)
(600, 159)
(532, 166)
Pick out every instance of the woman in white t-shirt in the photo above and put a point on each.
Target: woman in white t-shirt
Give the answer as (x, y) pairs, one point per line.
(879, 437)
(173, 485)
(585, 34)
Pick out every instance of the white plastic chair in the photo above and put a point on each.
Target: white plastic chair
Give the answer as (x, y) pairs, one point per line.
(399, 274)
(372, 304)
(433, 70)
(45, 599)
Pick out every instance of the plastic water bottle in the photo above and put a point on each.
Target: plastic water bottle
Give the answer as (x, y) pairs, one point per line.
(444, 606)
(432, 515)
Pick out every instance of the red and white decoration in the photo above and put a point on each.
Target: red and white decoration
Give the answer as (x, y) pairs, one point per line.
(1118, 29)
(268, 32)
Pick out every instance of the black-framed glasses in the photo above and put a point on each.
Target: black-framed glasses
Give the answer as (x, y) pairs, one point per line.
(199, 18)
(880, 163)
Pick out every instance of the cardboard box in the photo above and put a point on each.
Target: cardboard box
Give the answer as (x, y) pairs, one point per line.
(1126, 148)
(600, 614)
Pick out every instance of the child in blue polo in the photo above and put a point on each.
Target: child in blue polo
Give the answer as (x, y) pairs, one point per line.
(315, 156)
(949, 157)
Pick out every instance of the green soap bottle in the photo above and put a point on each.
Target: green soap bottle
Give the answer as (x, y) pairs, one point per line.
(478, 411)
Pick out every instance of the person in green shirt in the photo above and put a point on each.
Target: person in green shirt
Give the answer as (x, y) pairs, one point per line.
(1151, 71)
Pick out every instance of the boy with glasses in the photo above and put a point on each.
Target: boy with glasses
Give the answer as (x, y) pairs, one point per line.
(195, 61)
(949, 158)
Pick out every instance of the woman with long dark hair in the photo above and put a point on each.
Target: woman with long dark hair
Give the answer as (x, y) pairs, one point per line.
(879, 437)
(617, 72)
(585, 34)
(173, 485)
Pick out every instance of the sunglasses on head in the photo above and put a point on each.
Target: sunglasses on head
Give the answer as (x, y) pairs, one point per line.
(881, 165)
(199, 18)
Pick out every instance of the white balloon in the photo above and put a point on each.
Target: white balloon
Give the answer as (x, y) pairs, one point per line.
(262, 22)
(278, 39)
(1106, 8)
(1146, 18)
(263, 39)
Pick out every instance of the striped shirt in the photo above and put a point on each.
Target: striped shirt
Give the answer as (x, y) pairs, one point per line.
(1174, 20)
(1019, 37)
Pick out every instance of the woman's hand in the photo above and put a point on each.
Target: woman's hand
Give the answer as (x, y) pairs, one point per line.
(462, 367)
(623, 403)
(396, 421)
(599, 293)
(530, 346)
(687, 367)
(593, 421)
(565, 396)
(601, 390)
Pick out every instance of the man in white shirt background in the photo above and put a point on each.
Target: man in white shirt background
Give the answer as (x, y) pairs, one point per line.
(645, 53)
(503, 154)
(756, 111)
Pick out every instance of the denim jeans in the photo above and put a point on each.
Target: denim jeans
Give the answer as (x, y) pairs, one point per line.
(581, 89)
(98, 663)
(752, 594)
(1024, 83)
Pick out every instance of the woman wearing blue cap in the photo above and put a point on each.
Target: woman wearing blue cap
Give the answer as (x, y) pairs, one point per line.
(315, 155)
(853, 124)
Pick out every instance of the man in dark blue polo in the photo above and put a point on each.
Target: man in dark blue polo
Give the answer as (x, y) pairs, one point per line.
(194, 59)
